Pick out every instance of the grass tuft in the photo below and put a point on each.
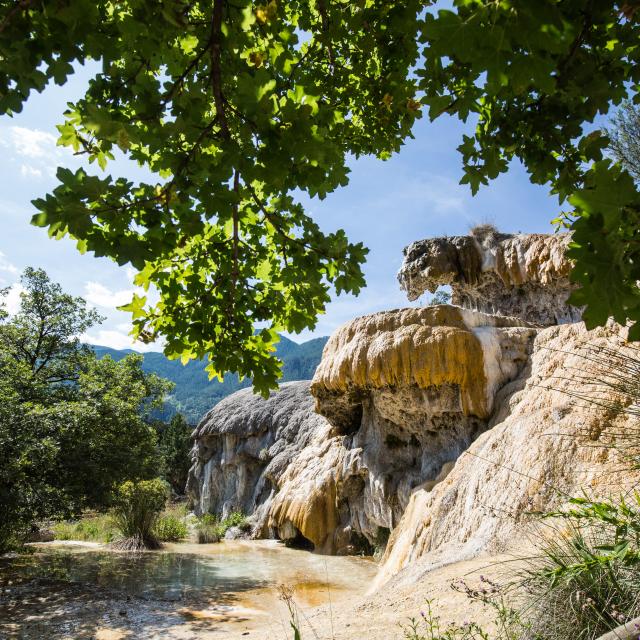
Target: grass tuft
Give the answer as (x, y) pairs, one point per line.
(90, 528)
(210, 529)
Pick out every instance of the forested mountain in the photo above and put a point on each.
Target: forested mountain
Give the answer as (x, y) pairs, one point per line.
(195, 394)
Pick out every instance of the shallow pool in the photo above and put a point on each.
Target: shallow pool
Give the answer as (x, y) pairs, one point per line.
(213, 572)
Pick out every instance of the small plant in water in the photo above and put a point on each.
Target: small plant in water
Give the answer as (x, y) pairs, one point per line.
(210, 529)
(136, 511)
(208, 533)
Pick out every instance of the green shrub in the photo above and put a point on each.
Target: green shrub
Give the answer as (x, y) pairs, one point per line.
(91, 528)
(236, 519)
(137, 508)
(208, 518)
(170, 528)
(586, 580)
(209, 531)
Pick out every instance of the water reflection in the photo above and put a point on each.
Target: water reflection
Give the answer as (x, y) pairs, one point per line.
(188, 572)
(164, 576)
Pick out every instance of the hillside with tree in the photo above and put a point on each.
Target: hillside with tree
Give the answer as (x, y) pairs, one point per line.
(194, 394)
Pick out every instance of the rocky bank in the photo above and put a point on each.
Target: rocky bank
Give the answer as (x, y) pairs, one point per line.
(437, 428)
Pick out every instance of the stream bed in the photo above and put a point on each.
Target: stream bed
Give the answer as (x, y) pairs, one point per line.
(231, 589)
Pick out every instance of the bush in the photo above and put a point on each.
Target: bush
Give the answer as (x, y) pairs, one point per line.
(170, 528)
(236, 519)
(484, 230)
(136, 511)
(583, 583)
(92, 528)
(210, 529)
(207, 533)
(586, 581)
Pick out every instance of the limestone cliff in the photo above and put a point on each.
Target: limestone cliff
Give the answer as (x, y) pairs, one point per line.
(545, 443)
(524, 275)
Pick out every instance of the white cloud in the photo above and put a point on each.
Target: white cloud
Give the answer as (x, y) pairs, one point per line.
(100, 296)
(119, 340)
(12, 300)
(31, 143)
(6, 266)
(34, 152)
(8, 271)
(27, 171)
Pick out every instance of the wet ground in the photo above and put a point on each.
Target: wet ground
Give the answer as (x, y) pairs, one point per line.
(226, 590)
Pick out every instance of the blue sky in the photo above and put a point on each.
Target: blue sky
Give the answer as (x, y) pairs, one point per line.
(387, 205)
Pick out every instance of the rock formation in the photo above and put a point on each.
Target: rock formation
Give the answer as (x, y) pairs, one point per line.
(404, 393)
(273, 458)
(410, 390)
(442, 425)
(524, 275)
(545, 442)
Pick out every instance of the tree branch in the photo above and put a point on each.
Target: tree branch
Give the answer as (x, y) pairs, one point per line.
(21, 4)
(235, 271)
(216, 72)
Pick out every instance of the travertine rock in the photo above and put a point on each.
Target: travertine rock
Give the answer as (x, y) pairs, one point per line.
(442, 425)
(544, 443)
(247, 449)
(410, 389)
(405, 392)
(469, 354)
(524, 275)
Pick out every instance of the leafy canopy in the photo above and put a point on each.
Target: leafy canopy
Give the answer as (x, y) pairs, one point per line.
(534, 75)
(42, 339)
(234, 108)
